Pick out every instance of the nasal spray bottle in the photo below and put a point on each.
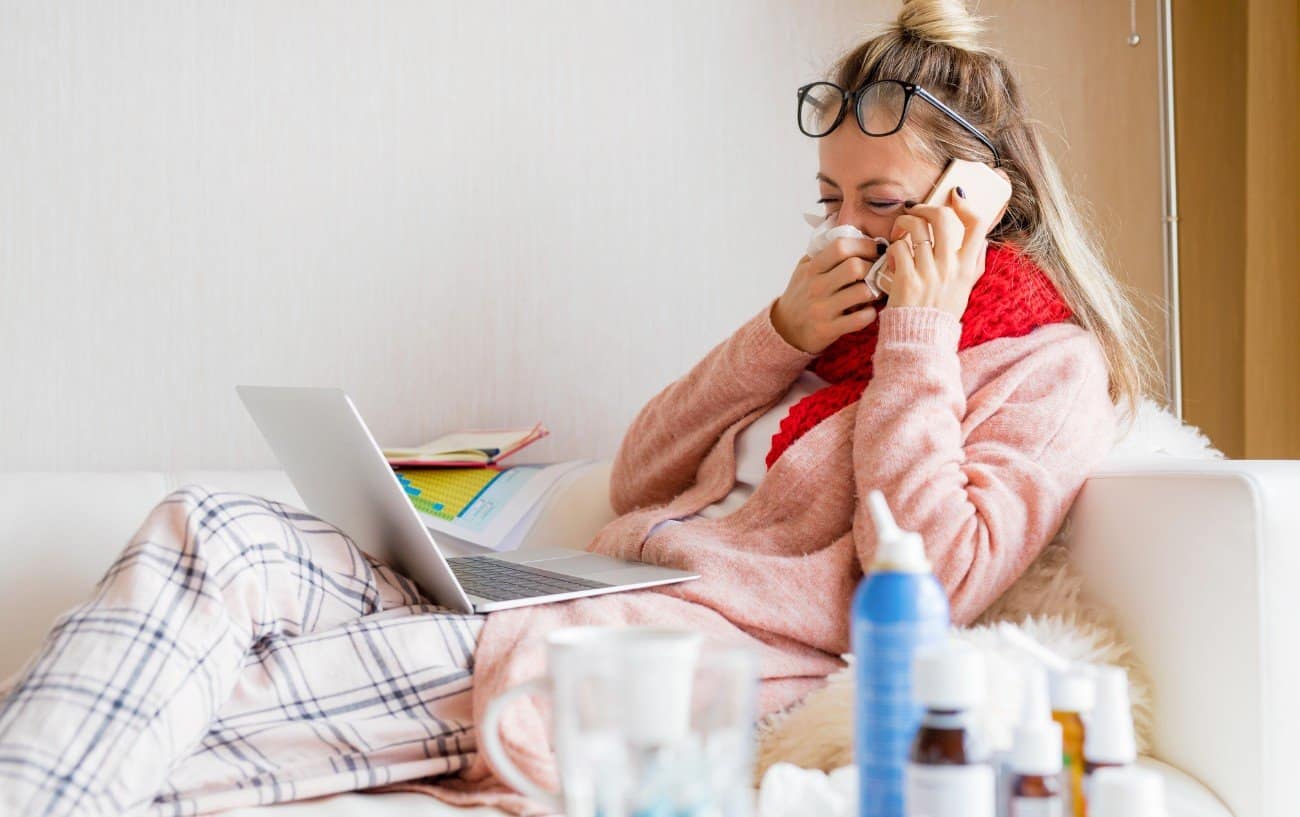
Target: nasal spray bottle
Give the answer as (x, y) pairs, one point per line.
(898, 607)
(1036, 758)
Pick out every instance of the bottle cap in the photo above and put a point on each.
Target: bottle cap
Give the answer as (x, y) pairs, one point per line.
(1109, 735)
(897, 550)
(948, 675)
(1073, 691)
(1126, 791)
(1037, 744)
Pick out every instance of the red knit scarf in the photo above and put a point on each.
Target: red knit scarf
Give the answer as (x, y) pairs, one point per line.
(1012, 297)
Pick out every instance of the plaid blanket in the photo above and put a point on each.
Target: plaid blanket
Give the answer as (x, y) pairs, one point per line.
(239, 652)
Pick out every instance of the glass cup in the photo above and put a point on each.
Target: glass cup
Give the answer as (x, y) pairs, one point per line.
(645, 722)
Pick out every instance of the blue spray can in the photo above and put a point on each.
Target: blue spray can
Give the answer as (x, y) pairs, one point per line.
(899, 606)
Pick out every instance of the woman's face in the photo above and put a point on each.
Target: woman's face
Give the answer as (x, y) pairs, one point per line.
(867, 178)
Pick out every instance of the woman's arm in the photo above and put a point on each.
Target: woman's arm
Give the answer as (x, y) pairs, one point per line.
(986, 486)
(671, 435)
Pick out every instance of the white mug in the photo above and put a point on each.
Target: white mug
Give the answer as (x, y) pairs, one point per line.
(639, 714)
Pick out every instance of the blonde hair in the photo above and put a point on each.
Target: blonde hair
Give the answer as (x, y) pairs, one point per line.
(934, 43)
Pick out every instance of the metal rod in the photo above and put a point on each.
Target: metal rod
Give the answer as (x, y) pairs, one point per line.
(1169, 189)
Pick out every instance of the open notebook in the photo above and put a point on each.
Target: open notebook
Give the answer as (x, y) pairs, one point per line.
(470, 447)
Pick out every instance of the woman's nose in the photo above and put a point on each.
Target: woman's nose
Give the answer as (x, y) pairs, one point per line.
(857, 216)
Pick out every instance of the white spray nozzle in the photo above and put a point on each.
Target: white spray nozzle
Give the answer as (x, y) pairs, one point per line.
(1037, 747)
(1109, 737)
(896, 549)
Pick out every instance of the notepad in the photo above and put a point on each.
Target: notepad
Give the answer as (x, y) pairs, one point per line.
(482, 446)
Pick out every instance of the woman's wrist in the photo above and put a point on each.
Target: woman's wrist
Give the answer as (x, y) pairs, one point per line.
(927, 325)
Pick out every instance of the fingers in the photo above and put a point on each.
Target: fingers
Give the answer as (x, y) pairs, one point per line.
(912, 227)
(842, 249)
(853, 295)
(900, 269)
(849, 272)
(946, 227)
(971, 251)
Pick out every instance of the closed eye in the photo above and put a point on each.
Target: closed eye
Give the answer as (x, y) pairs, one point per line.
(884, 206)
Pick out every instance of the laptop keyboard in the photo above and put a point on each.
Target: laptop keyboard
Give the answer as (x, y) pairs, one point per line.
(498, 580)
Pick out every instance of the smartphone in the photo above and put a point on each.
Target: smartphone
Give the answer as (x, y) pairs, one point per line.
(987, 192)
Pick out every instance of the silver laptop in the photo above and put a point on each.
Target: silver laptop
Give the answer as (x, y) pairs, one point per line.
(341, 475)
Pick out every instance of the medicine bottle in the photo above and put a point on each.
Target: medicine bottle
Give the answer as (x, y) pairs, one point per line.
(1109, 741)
(948, 772)
(1036, 784)
(1073, 694)
(1128, 791)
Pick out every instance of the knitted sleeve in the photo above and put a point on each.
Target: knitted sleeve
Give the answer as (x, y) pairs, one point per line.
(986, 483)
(669, 438)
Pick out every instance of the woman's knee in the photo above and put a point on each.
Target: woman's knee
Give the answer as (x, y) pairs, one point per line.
(212, 525)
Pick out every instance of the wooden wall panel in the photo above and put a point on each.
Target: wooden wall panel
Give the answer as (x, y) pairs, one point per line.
(1272, 363)
(1238, 174)
(1210, 114)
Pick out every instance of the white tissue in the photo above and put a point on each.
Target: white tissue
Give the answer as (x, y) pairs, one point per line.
(790, 791)
(825, 230)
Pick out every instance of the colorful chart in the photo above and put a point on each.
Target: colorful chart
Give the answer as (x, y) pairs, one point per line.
(470, 497)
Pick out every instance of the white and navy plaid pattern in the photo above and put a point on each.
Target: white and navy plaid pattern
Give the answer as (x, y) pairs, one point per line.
(239, 652)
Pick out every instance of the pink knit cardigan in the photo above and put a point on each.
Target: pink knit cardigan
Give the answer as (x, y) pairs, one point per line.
(981, 451)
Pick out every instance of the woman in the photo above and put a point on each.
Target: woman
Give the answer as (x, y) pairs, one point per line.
(241, 651)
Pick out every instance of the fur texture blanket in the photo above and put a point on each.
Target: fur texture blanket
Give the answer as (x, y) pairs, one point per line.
(1046, 604)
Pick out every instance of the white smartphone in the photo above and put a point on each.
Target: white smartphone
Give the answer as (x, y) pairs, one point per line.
(987, 192)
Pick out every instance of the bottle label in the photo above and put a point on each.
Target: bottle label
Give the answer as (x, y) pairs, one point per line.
(950, 791)
(1036, 807)
(887, 714)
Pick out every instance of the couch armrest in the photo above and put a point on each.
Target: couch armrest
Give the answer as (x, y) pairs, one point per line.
(1199, 561)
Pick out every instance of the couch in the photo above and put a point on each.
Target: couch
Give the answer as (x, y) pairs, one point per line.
(1199, 561)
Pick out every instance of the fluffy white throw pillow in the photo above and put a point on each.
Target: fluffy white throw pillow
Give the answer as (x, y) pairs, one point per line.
(1045, 604)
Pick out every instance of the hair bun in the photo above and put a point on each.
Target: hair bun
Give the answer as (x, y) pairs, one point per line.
(944, 22)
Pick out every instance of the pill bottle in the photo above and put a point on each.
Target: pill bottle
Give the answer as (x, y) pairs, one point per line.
(948, 773)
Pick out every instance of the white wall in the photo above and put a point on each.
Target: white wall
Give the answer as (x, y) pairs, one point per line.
(466, 214)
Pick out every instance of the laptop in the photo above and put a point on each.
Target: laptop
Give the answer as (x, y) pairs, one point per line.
(337, 468)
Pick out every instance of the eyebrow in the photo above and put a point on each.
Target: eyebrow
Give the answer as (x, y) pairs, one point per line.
(822, 177)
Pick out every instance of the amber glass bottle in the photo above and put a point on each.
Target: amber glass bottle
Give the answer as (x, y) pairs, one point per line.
(1072, 737)
(948, 772)
(1073, 693)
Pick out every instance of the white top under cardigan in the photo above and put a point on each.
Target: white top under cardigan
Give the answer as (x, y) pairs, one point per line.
(752, 445)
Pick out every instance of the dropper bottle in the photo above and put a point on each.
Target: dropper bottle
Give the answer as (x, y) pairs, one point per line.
(1073, 694)
(949, 773)
(1110, 741)
(1036, 786)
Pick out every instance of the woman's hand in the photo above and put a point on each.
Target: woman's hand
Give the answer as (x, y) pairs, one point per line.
(938, 272)
(826, 296)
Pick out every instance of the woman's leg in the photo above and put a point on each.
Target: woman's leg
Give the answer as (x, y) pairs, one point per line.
(128, 683)
(380, 699)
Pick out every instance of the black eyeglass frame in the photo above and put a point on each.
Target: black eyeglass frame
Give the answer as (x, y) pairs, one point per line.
(910, 90)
